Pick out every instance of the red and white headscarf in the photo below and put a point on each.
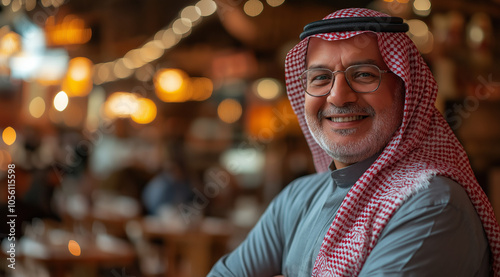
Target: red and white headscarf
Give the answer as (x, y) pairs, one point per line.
(423, 146)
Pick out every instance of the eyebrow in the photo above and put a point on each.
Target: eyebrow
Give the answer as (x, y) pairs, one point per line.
(367, 61)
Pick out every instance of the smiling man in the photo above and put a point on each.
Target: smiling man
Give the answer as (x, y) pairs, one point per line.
(353, 117)
(394, 194)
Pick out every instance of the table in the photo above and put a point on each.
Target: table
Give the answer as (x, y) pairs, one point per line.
(53, 253)
(190, 251)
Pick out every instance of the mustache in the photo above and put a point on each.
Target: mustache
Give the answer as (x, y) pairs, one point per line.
(349, 108)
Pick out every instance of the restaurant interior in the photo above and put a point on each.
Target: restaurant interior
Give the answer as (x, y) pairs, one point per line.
(146, 137)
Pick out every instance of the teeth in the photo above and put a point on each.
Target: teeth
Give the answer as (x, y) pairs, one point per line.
(346, 119)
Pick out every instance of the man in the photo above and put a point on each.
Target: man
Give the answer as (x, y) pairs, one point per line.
(395, 195)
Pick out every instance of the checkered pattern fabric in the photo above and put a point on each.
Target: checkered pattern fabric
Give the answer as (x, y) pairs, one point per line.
(424, 146)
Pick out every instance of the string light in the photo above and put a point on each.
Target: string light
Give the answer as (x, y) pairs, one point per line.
(253, 7)
(422, 7)
(30, 5)
(163, 39)
(275, 3)
(169, 37)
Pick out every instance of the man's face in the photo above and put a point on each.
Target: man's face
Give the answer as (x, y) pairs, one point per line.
(352, 126)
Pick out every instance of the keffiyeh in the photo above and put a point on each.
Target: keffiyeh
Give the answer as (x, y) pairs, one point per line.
(424, 146)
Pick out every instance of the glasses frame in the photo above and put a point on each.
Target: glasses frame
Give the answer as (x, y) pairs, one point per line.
(304, 85)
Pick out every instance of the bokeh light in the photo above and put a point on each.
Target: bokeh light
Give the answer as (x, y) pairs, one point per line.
(207, 7)
(182, 26)
(169, 38)
(202, 88)
(102, 73)
(192, 13)
(172, 85)
(229, 110)
(268, 88)
(146, 111)
(120, 70)
(253, 7)
(74, 248)
(61, 101)
(151, 51)
(420, 34)
(422, 7)
(10, 44)
(133, 59)
(275, 3)
(37, 107)
(417, 27)
(78, 80)
(9, 135)
(121, 105)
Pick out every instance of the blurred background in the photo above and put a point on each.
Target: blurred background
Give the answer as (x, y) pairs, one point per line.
(146, 137)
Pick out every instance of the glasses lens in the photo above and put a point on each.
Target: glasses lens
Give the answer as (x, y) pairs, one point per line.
(317, 81)
(363, 78)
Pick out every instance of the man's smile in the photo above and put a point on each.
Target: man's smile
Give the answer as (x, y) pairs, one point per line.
(340, 119)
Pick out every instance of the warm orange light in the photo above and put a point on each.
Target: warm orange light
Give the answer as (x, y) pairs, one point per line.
(78, 80)
(71, 30)
(271, 120)
(171, 80)
(9, 135)
(259, 118)
(229, 110)
(74, 248)
(172, 85)
(10, 44)
(202, 88)
(121, 105)
(146, 111)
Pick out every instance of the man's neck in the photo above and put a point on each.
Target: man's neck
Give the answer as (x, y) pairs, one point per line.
(340, 165)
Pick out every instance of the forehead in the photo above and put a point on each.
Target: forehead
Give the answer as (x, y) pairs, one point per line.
(353, 50)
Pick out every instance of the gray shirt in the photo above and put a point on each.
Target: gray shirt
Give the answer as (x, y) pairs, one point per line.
(437, 232)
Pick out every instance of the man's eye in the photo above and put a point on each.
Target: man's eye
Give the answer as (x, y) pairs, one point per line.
(364, 76)
(320, 79)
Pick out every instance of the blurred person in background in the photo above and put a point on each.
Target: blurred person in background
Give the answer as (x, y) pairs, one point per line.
(171, 187)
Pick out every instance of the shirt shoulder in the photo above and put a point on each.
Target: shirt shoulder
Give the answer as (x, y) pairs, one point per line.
(436, 232)
(442, 191)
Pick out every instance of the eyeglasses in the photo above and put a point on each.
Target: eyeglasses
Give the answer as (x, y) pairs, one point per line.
(363, 78)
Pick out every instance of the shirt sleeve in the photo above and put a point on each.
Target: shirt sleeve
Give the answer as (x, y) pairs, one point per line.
(261, 252)
(437, 232)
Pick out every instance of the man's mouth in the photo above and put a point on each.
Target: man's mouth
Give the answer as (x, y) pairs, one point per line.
(346, 118)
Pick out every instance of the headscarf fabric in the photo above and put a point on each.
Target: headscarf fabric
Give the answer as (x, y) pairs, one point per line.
(424, 146)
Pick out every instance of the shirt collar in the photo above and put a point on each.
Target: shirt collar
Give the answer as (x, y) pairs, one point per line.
(347, 176)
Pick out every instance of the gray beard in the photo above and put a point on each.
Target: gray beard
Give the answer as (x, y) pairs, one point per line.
(383, 129)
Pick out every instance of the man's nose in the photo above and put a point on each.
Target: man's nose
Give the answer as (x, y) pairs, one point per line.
(341, 93)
